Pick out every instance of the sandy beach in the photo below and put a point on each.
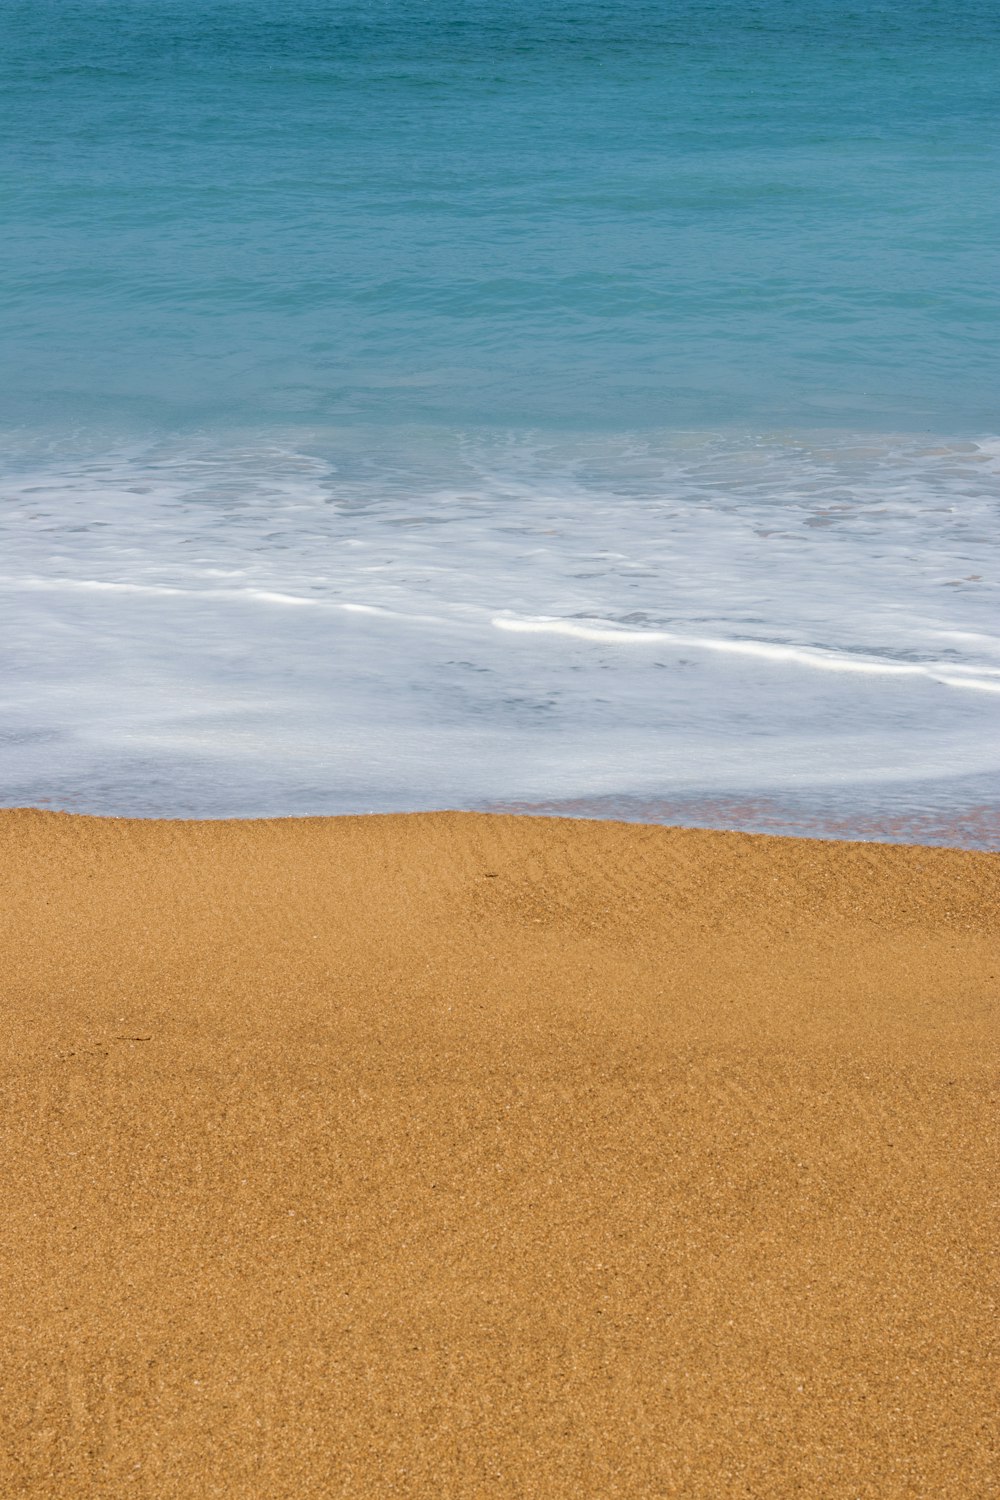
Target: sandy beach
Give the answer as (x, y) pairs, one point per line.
(461, 1156)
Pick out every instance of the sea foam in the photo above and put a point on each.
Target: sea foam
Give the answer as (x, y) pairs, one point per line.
(545, 620)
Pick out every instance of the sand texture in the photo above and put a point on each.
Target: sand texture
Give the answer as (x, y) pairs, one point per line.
(451, 1155)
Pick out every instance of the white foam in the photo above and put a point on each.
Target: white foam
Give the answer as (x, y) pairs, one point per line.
(605, 633)
(159, 591)
(770, 651)
(502, 619)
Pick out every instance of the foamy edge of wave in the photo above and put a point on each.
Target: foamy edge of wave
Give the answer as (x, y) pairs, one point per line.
(805, 656)
(979, 679)
(173, 591)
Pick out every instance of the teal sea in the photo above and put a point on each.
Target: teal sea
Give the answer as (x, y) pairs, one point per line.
(589, 406)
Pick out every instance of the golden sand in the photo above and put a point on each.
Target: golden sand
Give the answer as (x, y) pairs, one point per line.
(465, 1156)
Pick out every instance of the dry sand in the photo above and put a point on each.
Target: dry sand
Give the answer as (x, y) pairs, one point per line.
(464, 1156)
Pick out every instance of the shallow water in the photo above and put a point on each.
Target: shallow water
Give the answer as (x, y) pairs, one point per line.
(587, 410)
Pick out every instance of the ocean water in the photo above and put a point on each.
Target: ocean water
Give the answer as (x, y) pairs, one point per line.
(585, 407)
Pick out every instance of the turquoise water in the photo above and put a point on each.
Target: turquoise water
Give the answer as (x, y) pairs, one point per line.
(584, 215)
(468, 403)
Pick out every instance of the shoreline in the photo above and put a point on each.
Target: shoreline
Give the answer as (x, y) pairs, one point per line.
(971, 827)
(470, 1154)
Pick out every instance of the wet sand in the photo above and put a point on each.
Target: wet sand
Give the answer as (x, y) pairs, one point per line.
(452, 1155)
